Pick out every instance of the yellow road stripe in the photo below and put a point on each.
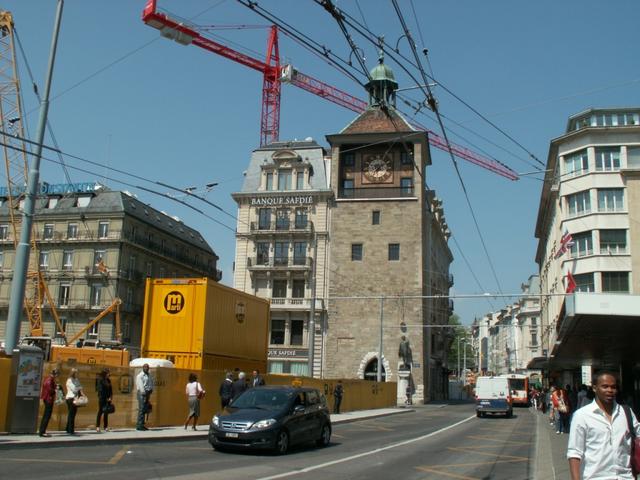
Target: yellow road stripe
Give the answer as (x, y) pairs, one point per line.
(496, 446)
(452, 475)
(489, 439)
(118, 456)
(457, 449)
(471, 464)
(42, 460)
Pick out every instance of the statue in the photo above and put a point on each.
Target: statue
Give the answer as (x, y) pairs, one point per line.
(405, 354)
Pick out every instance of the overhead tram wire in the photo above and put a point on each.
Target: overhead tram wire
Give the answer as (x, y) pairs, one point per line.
(123, 172)
(37, 94)
(473, 274)
(432, 102)
(391, 52)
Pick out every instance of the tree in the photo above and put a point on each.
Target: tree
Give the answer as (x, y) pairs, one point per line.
(459, 333)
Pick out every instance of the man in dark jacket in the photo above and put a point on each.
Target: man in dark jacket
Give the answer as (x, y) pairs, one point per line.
(226, 390)
(257, 379)
(48, 396)
(337, 397)
(240, 385)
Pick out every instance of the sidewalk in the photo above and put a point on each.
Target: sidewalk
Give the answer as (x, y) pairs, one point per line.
(551, 450)
(160, 433)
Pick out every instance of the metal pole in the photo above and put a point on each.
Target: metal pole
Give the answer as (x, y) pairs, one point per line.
(18, 284)
(458, 359)
(464, 365)
(379, 372)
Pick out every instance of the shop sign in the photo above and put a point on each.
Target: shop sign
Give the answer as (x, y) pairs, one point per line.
(282, 201)
(288, 353)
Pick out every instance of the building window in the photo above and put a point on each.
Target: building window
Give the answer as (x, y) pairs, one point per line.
(579, 203)
(282, 219)
(356, 252)
(534, 321)
(299, 253)
(584, 282)
(52, 202)
(63, 323)
(269, 181)
(534, 339)
(394, 251)
(126, 331)
(44, 260)
(1, 259)
(103, 229)
(67, 260)
(301, 218)
(406, 158)
(262, 253)
(406, 186)
(83, 201)
(299, 180)
(277, 332)
(279, 289)
(4, 232)
(610, 199)
(132, 266)
(98, 257)
(276, 367)
(613, 241)
(297, 288)
(375, 217)
(95, 299)
(72, 231)
(349, 159)
(347, 187)
(281, 254)
(47, 234)
(264, 218)
(576, 163)
(607, 159)
(129, 296)
(582, 245)
(297, 332)
(284, 180)
(149, 269)
(615, 282)
(94, 330)
(64, 293)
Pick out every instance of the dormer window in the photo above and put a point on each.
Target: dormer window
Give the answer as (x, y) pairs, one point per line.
(269, 182)
(284, 180)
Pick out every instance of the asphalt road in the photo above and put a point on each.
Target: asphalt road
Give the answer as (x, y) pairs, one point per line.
(434, 442)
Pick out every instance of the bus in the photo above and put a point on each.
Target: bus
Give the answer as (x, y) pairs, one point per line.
(519, 388)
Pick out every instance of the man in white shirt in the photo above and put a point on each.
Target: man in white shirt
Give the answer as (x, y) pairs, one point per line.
(599, 439)
(144, 387)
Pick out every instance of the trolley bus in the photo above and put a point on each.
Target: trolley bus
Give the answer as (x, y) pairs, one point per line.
(519, 388)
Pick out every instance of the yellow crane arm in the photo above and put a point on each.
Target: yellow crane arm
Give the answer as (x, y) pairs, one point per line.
(115, 306)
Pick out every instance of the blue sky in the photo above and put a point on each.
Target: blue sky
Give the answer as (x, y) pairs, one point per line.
(130, 100)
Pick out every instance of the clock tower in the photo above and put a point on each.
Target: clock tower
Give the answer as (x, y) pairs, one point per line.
(380, 252)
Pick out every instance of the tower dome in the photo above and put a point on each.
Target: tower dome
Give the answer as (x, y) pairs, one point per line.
(382, 86)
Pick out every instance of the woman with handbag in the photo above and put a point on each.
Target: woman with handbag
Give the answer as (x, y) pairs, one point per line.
(74, 391)
(105, 407)
(195, 393)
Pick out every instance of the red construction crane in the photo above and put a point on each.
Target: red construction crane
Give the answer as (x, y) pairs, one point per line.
(274, 74)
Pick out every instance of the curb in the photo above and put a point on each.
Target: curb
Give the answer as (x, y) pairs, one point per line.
(95, 439)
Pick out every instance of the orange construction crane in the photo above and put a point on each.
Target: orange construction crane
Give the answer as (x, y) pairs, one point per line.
(186, 33)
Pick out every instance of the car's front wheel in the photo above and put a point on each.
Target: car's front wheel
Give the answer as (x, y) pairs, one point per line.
(282, 442)
(325, 436)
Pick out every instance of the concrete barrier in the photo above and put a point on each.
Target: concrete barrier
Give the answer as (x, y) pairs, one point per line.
(5, 381)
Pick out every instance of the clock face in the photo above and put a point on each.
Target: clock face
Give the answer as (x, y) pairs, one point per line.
(377, 168)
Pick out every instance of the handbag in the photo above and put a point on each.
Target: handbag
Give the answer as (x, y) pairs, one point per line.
(109, 408)
(562, 407)
(635, 442)
(81, 400)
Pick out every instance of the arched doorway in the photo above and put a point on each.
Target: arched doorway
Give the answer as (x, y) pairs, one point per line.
(371, 370)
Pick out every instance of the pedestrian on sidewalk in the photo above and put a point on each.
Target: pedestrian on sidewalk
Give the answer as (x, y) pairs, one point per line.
(582, 397)
(600, 441)
(74, 390)
(257, 380)
(562, 406)
(105, 392)
(552, 410)
(239, 386)
(48, 397)
(144, 389)
(195, 393)
(337, 396)
(226, 389)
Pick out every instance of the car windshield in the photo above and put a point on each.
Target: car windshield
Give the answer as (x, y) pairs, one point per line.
(263, 399)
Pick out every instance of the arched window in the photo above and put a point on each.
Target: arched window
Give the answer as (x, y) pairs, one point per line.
(371, 370)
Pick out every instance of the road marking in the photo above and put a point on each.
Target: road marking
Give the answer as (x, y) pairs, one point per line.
(496, 446)
(486, 454)
(373, 427)
(446, 474)
(365, 454)
(118, 456)
(469, 464)
(490, 439)
(43, 460)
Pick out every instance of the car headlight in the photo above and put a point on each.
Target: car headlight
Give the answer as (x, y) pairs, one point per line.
(264, 423)
(215, 420)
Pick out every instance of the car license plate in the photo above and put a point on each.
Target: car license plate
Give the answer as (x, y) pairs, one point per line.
(485, 403)
(231, 435)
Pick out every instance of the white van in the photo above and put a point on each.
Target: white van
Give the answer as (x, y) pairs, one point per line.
(493, 396)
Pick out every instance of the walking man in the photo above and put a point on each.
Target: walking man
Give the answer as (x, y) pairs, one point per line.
(144, 388)
(599, 441)
(48, 396)
(337, 397)
(226, 389)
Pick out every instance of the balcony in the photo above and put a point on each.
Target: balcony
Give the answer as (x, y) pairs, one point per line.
(295, 304)
(80, 236)
(263, 263)
(270, 228)
(376, 192)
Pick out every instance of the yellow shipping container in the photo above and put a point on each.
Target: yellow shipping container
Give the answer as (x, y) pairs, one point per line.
(90, 356)
(198, 323)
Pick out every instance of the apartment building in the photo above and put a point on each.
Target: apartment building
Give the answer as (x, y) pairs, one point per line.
(95, 245)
